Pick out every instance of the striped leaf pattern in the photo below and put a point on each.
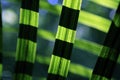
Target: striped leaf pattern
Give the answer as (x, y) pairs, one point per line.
(109, 54)
(26, 43)
(94, 21)
(60, 60)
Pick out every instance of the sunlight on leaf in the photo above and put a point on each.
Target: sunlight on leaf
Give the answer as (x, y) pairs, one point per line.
(80, 70)
(102, 24)
(79, 43)
(107, 3)
(94, 21)
(88, 46)
(46, 35)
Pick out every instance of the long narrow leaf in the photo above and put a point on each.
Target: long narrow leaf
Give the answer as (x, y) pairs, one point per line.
(94, 21)
(107, 3)
(98, 22)
(86, 72)
(26, 43)
(79, 43)
(65, 36)
(108, 57)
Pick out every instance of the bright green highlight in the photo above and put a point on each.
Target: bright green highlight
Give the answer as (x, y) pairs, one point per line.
(26, 50)
(77, 69)
(80, 70)
(94, 21)
(64, 67)
(22, 77)
(1, 69)
(107, 3)
(65, 34)
(59, 66)
(54, 66)
(43, 59)
(74, 68)
(46, 35)
(29, 17)
(117, 20)
(79, 43)
(88, 46)
(98, 77)
(94, 49)
(74, 4)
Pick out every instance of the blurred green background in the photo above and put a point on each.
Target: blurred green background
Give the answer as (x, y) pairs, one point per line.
(93, 24)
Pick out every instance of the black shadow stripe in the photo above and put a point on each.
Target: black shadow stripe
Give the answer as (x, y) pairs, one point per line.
(30, 5)
(72, 76)
(104, 67)
(1, 56)
(69, 18)
(116, 45)
(55, 77)
(111, 35)
(28, 32)
(63, 49)
(118, 9)
(24, 67)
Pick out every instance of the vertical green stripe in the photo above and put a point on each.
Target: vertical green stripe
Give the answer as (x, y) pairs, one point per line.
(74, 4)
(65, 34)
(109, 54)
(30, 17)
(26, 42)
(59, 64)
(22, 48)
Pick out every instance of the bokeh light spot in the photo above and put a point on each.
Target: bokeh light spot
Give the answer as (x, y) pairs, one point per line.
(9, 16)
(53, 2)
